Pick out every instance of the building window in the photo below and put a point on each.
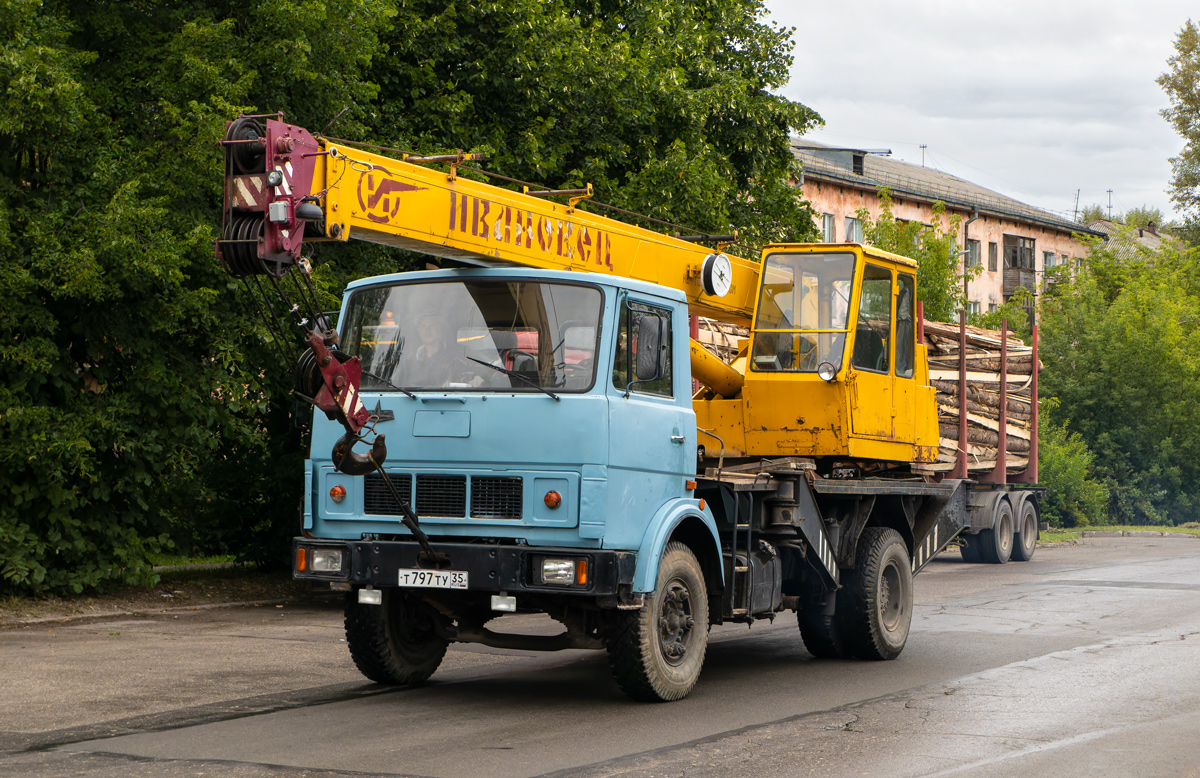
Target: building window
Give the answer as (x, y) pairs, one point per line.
(993, 254)
(973, 256)
(972, 307)
(992, 306)
(1048, 258)
(1018, 251)
(827, 228)
(854, 232)
(1064, 259)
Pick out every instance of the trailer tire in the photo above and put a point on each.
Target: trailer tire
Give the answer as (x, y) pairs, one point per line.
(394, 642)
(656, 652)
(821, 633)
(996, 543)
(1025, 542)
(875, 605)
(970, 549)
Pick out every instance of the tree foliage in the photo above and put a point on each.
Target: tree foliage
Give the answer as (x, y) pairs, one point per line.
(1119, 350)
(1182, 85)
(143, 403)
(934, 247)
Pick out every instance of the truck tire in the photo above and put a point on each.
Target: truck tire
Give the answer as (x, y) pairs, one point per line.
(1027, 532)
(970, 548)
(875, 604)
(394, 642)
(821, 633)
(656, 652)
(995, 544)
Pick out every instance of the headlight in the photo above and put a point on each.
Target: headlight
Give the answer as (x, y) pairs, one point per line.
(827, 371)
(558, 571)
(327, 560)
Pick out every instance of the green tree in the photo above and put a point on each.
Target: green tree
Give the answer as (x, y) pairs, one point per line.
(1182, 85)
(667, 108)
(1065, 465)
(934, 247)
(1120, 360)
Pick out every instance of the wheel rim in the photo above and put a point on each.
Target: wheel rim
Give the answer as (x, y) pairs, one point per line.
(1005, 533)
(891, 597)
(1028, 532)
(675, 622)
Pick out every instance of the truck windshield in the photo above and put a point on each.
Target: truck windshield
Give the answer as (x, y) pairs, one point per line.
(802, 313)
(509, 335)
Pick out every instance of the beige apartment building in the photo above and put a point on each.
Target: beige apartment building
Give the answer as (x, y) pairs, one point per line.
(1013, 242)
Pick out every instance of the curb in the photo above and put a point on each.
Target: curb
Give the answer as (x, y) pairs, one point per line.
(107, 615)
(1132, 534)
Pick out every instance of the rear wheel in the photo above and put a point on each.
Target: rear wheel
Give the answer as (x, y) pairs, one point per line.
(821, 633)
(996, 543)
(875, 605)
(970, 548)
(1027, 531)
(656, 652)
(394, 642)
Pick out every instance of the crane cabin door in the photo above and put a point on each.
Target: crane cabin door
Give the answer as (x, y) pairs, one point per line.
(871, 362)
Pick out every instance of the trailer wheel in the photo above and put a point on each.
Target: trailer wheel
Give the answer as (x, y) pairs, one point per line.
(657, 651)
(996, 543)
(1027, 532)
(394, 642)
(875, 605)
(970, 549)
(820, 633)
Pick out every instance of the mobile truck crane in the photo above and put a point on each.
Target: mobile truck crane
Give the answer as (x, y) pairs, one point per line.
(545, 452)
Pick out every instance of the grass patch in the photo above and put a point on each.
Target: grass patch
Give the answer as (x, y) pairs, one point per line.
(174, 560)
(1195, 531)
(1057, 535)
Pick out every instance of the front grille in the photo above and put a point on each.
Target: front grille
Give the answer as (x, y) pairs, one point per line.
(442, 495)
(379, 500)
(495, 498)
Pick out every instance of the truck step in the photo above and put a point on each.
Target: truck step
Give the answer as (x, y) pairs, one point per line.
(740, 569)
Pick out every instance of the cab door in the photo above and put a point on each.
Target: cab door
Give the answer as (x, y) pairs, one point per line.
(904, 384)
(871, 363)
(652, 427)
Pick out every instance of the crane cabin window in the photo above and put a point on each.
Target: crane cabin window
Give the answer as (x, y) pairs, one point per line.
(497, 335)
(803, 307)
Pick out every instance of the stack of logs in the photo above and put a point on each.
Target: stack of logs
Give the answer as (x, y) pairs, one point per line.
(983, 397)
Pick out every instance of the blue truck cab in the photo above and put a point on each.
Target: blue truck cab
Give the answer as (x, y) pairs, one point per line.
(540, 425)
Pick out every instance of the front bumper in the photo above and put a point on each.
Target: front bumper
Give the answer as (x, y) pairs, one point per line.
(490, 567)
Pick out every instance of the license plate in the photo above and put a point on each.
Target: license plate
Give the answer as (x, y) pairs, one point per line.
(434, 579)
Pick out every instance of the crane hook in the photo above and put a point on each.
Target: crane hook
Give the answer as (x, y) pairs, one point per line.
(350, 463)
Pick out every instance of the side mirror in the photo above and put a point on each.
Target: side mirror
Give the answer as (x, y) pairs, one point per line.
(648, 365)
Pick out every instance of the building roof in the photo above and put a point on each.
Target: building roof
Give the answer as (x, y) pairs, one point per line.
(859, 167)
(1126, 242)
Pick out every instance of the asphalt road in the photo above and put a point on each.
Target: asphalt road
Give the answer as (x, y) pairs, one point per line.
(1081, 662)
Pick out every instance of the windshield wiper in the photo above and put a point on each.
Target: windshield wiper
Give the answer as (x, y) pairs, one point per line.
(515, 374)
(389, 383)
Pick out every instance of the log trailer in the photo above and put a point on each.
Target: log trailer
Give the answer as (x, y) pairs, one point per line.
(545, 451)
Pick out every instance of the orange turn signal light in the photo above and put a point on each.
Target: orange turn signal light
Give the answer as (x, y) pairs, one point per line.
(337, 493)
(301, 560)
(553, 499)
(581, 572)
(690, 486)
(701, 503)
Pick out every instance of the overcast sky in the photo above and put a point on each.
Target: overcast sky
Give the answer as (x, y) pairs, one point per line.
(1032, 98)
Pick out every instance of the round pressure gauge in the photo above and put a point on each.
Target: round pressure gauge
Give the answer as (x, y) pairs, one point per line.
(716, 274)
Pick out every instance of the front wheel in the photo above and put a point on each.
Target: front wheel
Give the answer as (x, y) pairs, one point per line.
(656, 652)
(876, 603)
(394, 642)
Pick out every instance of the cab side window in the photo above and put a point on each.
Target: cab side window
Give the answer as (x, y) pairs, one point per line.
(643, 355)
(872, 333)
(906, 331)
